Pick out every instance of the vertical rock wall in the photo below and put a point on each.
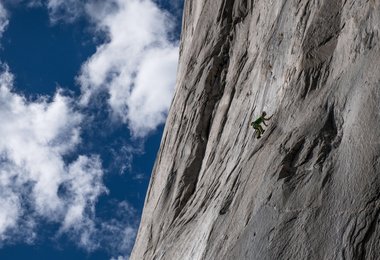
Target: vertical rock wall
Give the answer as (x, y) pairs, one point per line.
(310, 187)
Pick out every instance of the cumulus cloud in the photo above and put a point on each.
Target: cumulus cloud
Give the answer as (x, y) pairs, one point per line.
(137, 64)
(37, 183)
(35, 180)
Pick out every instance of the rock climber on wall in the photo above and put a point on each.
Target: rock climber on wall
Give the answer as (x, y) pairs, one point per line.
(257, 124)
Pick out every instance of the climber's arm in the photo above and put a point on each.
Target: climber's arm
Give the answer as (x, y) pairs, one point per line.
(266, 119)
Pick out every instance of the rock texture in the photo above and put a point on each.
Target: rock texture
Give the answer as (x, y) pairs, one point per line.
(310, 187)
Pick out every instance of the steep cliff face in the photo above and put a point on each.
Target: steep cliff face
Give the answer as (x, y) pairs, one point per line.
(310, 187)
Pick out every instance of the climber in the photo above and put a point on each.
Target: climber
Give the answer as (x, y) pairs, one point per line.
(257, 124)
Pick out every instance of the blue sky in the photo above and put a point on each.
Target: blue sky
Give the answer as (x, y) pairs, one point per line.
(85, 87)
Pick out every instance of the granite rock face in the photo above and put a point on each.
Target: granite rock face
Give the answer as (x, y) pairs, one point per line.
(310, 187)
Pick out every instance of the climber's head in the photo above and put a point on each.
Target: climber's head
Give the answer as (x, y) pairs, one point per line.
(264, 113)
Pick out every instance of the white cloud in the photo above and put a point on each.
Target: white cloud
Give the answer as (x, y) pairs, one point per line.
(115, 235)
(3, 19)
(137, 65)
(37, 183)
(84, 185)
(10, 210)
(35, 137)
(67, 10)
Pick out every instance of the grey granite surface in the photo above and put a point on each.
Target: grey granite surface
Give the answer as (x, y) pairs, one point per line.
(310, 187)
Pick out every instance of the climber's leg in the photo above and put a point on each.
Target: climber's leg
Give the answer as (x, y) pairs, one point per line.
(261, 129)
(257, 131)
